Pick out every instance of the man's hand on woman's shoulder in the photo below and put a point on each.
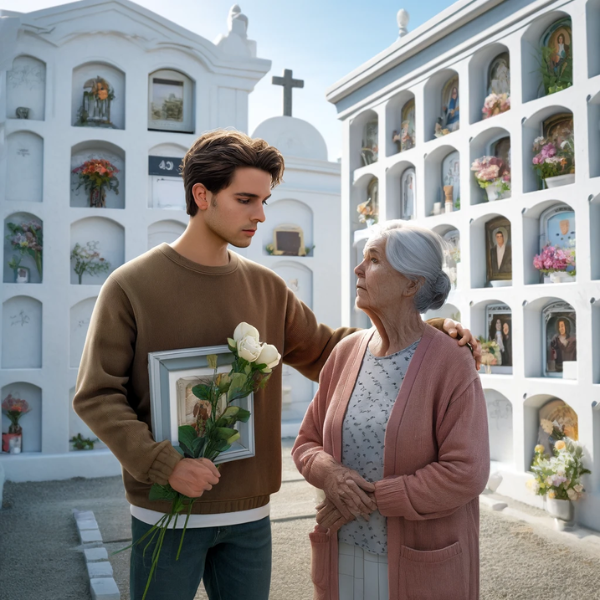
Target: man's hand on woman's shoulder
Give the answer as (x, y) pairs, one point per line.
(455, 329)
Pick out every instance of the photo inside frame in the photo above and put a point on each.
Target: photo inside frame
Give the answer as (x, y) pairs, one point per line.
(561, 341)
(167, 100)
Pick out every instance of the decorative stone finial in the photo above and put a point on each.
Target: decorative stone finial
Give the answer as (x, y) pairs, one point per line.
(403, 18)
(237, 21)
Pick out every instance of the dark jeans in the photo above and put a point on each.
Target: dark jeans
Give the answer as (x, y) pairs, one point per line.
(234, 561)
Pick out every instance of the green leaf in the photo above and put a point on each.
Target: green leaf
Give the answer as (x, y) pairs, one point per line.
(162, 492)
(224, 433)
(232, 344)
(248, 369)
(186, 435)
(260, 367)
(202, 391)
(198, 446)
(243, 415)
(234, 438)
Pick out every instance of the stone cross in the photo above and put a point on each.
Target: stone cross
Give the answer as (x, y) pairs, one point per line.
(288, 84)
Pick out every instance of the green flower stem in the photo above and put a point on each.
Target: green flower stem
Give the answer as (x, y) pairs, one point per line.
(184, 528)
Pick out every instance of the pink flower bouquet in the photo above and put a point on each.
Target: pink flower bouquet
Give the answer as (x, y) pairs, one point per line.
(553, 157)
(490, 170)
(554, 259)
(495, 104)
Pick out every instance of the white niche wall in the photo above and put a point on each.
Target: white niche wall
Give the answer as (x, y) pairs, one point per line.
(500, 426)
(26, 88)
(164, 232)
(22, 333)
(166, 191)
(76, 426)
(289, 212)
(31, 422)
(26, 260)
(89, 150)
(25, 163)
(116, 80)
(80, 315)
(108, 238)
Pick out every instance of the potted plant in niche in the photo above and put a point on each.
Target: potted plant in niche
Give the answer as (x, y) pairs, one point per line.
(493, 176)
(558, 478)
(81, 443)
(25, 239)
(554, 163)
(96, 176)
(88, 260)
(557, 264)
(14, 409)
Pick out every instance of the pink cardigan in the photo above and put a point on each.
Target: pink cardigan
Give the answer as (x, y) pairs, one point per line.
(436, 463)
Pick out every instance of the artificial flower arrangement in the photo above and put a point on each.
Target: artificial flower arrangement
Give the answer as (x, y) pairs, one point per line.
(552, 159)
(553, 259)
(490, 353)
(88, 260)
(26, 238)
(495, 104)
(492, 175)
(555, 76)
(558, 477)
(14, 409)
(214, 432)
(367, 212)
(96, 176)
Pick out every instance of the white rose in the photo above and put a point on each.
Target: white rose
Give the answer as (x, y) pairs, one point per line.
(268, 356)
(249, 348)
(244, 330)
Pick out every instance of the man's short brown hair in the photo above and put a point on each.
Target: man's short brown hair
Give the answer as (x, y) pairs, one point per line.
(214, 157)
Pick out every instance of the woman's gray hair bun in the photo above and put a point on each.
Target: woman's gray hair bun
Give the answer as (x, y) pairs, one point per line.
(418, 254)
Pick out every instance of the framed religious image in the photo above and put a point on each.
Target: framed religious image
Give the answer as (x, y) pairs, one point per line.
(452, 255)
(170, 102)
(370, 143)
(558, 128)
(288, 240)
(408, 190)
(499, 333)
(449, 120)
(499, 75)
(498, 252)
(559, 326)
(501, 149)
(557, 229)
(564, 415)
(557, 57)
(407, 128)
(451, 177)
(173, 374)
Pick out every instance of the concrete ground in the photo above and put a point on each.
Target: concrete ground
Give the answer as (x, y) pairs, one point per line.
(40, 558)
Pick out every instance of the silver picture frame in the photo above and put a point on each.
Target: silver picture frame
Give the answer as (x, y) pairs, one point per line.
(172, 375)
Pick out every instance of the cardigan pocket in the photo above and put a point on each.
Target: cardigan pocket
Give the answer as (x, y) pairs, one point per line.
(319, 568)
(432, 574)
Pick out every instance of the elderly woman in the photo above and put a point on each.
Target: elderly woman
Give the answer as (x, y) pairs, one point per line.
(397, 439)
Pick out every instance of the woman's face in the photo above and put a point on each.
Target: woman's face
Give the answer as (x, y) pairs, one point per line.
(562, 328)
(498, 325)
(380, 288)
(505, 329)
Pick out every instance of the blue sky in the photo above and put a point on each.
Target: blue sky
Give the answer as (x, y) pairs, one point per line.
(321, 41)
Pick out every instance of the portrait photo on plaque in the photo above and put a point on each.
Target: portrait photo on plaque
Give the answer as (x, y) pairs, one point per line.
(499, 323)
(499, 250)
(560, 340)
(288, 240)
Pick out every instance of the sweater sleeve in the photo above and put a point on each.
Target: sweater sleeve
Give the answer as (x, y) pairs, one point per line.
(101, 392)
(457, 477)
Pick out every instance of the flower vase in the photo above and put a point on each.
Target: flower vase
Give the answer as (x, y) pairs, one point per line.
(552, 182)
(21, 275)
(560, 277)
(494, 191)
(370, 222)
(563, 513)
(98, 197)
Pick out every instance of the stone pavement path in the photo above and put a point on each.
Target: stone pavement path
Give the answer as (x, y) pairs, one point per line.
(40, 558)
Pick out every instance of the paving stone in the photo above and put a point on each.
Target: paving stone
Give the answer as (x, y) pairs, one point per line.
(99, 569)
(91, 535)
(95, 554)
(104, 588)
(83, 515)
(88, 524)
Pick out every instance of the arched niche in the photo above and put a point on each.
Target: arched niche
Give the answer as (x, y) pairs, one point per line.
(447, 311)
(402, 196)
(364, 135)
(400, 123)
(442, 170)
(165, 182)
(170, 101)
(452, 259)
(489, 73)
(25, 166)
(364, 202)
(23, 267)
(164, 232)
(22, 333)
(98, 150)
(559, 340)
(97, 234)
(79, 321)
(543, 408)
(594, 132)
(98, 96)
(77, 426)
(542, 31)
(500, 427)
(289, 212)
(299, 278)
(592, 19)
(26, 89)
(493, 142)
(492, 320)
(554, 123)
(595, 239)
(442, 104)
(31, 422)
(490, 267)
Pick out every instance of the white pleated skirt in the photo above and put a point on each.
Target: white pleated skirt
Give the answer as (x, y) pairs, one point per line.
(362, 575)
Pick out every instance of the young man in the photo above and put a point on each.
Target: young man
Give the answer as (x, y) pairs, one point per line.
(193, 293)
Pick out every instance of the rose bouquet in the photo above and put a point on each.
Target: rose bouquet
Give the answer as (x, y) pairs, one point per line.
(96, 176)
(14, 408)
(495, 104)
(490, 353)
(214, 429)
(26, 238)
(492, 175)
(553, 259)
(367, 212)
(553, 158)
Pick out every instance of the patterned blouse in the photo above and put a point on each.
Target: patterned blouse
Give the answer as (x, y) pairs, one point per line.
(377, 387)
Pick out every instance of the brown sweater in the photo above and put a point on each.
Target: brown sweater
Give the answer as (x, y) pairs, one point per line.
(163, 301)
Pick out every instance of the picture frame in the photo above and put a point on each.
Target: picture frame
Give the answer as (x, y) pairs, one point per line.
(499, 75)
(555, 354)
(170, 102)
(407, 128)
(495, 273)
(451, 177)
(370, 143)
(408, 192)
(288, 240)
(451, 105)
(558, 128)
(172, 375)
(499, 329)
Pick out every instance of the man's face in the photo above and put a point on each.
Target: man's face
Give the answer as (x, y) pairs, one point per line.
(235, 212)
(505, 329)
(562, 328)
(500, 239)
(564, 226)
